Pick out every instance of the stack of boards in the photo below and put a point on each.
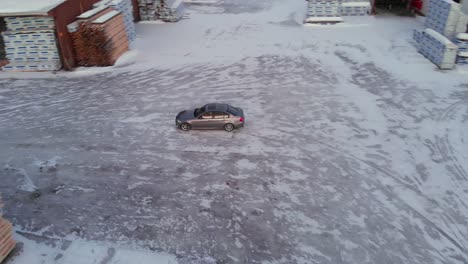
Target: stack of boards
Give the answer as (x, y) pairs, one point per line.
(7, 243)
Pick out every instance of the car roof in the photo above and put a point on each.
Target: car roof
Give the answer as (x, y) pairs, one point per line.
(216, 107)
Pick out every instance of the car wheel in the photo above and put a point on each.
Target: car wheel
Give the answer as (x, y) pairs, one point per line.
(185, 127)
(229, 127)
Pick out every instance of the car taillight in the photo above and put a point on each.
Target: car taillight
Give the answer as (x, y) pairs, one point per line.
(241, 119)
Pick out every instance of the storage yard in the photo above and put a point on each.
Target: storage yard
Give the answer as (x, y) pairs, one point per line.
(61, 36)
(354, 150)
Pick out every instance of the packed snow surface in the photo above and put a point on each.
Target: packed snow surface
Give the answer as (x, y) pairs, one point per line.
(355, 148)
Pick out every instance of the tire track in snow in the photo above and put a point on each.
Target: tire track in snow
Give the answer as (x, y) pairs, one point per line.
(443, 144)
(389, 193)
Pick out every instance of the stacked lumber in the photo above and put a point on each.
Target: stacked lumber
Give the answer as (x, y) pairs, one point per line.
(30, 44)
(112, 28)
(99, 38)
(79, 31)
(7, 243)
(126, 8)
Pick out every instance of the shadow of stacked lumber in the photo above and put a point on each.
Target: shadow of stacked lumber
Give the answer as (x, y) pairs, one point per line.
(99, 39)
(7, 243)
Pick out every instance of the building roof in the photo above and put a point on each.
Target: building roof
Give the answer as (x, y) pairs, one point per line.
(27, 7)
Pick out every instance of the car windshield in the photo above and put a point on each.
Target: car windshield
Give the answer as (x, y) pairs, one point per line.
(199, 111)
(232, 110)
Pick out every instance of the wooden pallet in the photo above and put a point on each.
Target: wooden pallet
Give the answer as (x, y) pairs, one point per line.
(7, 243)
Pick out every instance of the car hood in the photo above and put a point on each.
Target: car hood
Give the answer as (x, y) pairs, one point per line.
(186, 115)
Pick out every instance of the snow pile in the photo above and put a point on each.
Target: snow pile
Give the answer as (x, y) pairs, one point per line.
(82, 251)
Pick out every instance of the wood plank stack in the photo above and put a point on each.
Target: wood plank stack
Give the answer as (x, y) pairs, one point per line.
(7, 243)
(112, 28)
(99, 37)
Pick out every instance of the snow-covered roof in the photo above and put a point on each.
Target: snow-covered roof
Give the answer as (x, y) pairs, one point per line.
(92, 12)
(27, 7)
(106, 17)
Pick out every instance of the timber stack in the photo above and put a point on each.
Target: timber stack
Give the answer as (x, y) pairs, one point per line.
(7, 243)
(99, 37)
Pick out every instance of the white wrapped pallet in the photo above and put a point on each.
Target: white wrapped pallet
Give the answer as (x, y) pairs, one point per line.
(464, 6)
(418, 37)
(462, 58)
(443, 16)
(437, 48)
(461, 41)
(321, 8)
(50, 65)
(462, 24)
(30, 44)
(355, 9)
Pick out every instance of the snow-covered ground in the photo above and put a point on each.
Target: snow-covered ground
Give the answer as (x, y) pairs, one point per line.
(355, 148)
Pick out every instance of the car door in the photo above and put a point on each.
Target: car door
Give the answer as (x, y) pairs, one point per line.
(204, 121)
(220, 119)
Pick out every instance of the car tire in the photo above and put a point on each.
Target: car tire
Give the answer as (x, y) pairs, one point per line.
(185, 127)
(229, 127)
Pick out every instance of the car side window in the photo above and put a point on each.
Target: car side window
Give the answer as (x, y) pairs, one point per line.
(220, 115)
(207, 115)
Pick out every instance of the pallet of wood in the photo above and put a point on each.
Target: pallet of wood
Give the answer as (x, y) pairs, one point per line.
(7, 243)
(99, 37)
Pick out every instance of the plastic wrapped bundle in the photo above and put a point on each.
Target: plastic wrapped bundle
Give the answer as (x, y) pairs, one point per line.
(462, 58)
(355, 9)
(418, 37)
(323, 8)
(437, 48)
(462, 24)
(30, 44)
(29, 23)
(443, 16)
